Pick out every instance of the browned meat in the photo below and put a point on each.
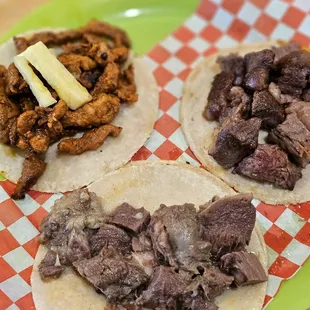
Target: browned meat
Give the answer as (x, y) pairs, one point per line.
(40, 142)
(127, 90)
(164, 288)
(112, 274)
(120, 54)
(26, 122)
(103, 29)
(101, 53)
(275, 91)
(110, 236)
(237, 138)
(182, 228)
(244, 267)
(21, 44)
(48, 268)
(265, 107)
(218, 96)
(43, 115)
(76, 48)
(108, 81)
(147, 260)
(285, 49)
(101, 110)
(77, 64)
(89, 78)
(90, 140)
(302, 110)
(270, 164)
(58, 112)
(232, 63)
(293, 137)
(13, 134)
(306, 94)
(141, 243)
(228, 223)
(258, 65)
(295, 71)
(27, 103)
(33, 168)
(130, 218)
(16, 83)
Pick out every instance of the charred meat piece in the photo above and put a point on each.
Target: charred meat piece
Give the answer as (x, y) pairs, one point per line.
(90, 141)
(236, 139)
(89, 78)
(233, 63)
(258, 65)
(265, 107)
(78, 245)
(127, 90)
(33, 168)
(100, 111)
(21, 44)
(27, 103)
(218, 96)
(281, 51)
(275, 91)
(295, 71)
(112, 274)
(302, 110)
(110, 236)
(182, 228)
(130, 218)
(103, 29)
(270, 164)
(16, 84)
(26, 122)
(164, 288)
(293, 137)
(228, 223)
(244, 267)
(48, 268)
(108, 81)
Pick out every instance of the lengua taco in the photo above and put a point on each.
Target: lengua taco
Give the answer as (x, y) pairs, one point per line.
(64, 84)
(162, 236)
(245, 114)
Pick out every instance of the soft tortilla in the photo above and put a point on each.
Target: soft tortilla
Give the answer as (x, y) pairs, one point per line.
(66, 172)
(199, 133)
(148, 184)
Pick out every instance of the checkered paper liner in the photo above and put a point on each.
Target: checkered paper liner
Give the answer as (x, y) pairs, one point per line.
(215, 24)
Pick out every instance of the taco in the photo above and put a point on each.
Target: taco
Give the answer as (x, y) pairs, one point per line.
(146, 243)
(61, 147)
(244, 114)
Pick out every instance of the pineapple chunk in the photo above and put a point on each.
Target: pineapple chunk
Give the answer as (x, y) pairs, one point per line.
(55, 73)
(41, 93)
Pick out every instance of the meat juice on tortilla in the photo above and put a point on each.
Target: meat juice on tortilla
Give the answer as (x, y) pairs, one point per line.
(176, 258)
(97, 55)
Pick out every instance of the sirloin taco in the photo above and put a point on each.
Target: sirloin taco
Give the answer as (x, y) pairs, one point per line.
(245, 113)
(151, 235)
(74, 105)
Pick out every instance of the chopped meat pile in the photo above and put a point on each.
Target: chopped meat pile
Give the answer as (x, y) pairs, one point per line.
(177, 258)
(97, 56)
(265, 90)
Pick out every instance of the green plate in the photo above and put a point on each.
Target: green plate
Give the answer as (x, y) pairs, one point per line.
(148, 21)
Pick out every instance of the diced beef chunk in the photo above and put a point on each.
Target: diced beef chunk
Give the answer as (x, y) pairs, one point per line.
(141, 243)
(261, 59)
(112, 274)
(110, 236)
(257, 79)
(265, 107)
(146, 259)
(78, 246)
(302, 110)
(164, 288)
(182, 228)
(281, 51)
(228, 223)
(306, 94)
(130, 218)
(270, 164)
(232, 63)
(237, 138)
(48, 268)
(295, 70)
(275, 91)
(294, 138)
(258, 65)
(218, 96)
(244, 267)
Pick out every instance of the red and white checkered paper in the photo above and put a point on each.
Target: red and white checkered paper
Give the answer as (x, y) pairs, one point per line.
(215, 24)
